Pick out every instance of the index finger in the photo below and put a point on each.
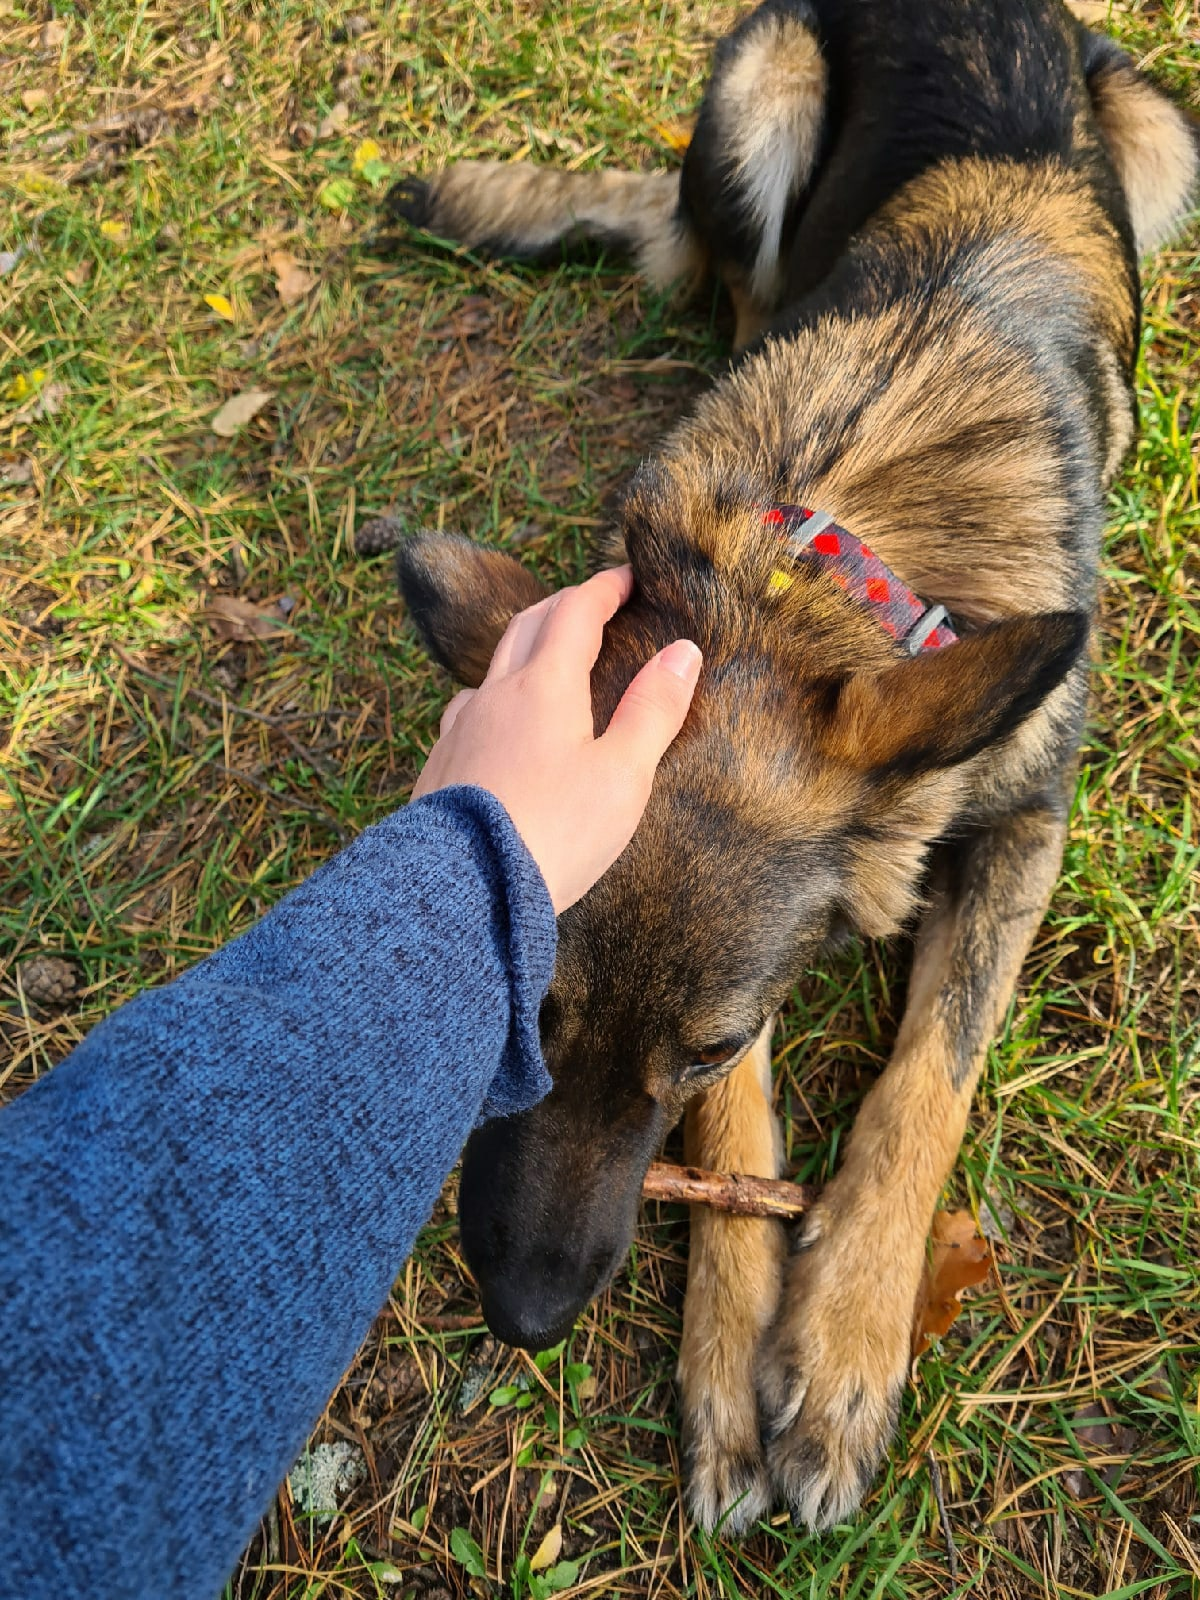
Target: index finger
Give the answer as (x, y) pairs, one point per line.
(573, 628)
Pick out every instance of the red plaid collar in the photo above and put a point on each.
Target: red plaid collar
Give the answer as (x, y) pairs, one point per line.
(814, 535)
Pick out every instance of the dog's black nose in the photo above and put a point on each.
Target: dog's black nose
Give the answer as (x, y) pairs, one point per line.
(530, 1320)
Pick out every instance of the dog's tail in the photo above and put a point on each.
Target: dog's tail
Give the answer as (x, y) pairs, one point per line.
(1154, 146)
(756, 147)
(536, 213)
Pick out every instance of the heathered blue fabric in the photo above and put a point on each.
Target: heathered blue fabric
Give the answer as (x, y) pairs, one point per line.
(204, 1206)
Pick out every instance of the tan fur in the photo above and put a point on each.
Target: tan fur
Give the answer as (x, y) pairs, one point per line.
(937, 530)
(835, 1363)
(488, 202)
(750, 318)
(733, 1290)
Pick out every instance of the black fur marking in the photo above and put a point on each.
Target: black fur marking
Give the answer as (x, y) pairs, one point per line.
(408, 201)
(984, 874)
(769, 1426)
(806, 1463)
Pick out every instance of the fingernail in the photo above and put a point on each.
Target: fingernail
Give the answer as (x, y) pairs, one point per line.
(682, 658)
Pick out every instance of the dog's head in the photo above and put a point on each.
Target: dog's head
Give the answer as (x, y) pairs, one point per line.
(816, 767)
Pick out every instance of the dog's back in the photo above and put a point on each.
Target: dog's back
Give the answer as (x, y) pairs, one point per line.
(820, 112)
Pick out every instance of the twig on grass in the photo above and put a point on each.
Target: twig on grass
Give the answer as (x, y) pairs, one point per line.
(734, 1192)
(302, 750)
(271, 794)
(935, 1475)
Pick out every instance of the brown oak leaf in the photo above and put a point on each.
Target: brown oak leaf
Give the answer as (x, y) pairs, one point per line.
(292, 281)
(236, 412)
(959, 1257)
(231, 618)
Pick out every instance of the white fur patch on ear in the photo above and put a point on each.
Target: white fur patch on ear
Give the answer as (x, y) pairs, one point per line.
(772, 106)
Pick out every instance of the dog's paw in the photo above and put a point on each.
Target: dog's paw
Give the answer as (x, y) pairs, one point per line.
(728, 1484)
(830, 1376)
(825, 1436)
(411, 201)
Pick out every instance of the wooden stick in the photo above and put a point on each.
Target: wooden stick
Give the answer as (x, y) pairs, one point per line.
(734, 1192)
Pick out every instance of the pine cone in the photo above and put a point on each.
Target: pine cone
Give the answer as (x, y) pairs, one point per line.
(47, 980)
(378, 535)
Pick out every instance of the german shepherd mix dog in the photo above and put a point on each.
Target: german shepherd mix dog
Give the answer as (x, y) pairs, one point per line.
(928, 214)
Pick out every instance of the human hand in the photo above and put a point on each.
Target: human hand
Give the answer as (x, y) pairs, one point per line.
(526, 734)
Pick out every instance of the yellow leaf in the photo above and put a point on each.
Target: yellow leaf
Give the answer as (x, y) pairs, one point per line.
(113, 230)
(40, 188)
(548, 1552)
(368, 150)
(21, 387)
(222, 306)
(675, 135)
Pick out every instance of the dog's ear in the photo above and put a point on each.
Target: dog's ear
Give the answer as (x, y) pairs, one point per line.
(947, 705)
(461, 598)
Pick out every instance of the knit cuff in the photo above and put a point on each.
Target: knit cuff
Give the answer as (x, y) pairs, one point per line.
(526, 925)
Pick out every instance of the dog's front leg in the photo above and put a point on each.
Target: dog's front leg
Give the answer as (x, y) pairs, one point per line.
(834, 1365)
(733, 1291)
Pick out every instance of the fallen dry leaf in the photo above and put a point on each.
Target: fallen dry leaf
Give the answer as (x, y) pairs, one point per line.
(32, 99)
(333, 124)
(16, 469)
(959, 1257)
(79, 275)
(1098, 1437)
(53, 35)
(548, 1552)
(47, 402)
(292, 281)
(237, 411)
(1090, 12)
(231, 618)
(675, 135)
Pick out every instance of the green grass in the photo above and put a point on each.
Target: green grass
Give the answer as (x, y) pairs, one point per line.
(145, 816)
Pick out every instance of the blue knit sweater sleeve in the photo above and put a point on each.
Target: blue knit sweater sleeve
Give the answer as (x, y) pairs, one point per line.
(203, 1207)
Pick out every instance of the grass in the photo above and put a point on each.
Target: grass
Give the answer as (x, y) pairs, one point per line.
(162, 786)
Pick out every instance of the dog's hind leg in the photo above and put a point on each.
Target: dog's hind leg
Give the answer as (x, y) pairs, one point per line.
(754, 152)
(834, 1365)
(733, 1286)
(534, 212)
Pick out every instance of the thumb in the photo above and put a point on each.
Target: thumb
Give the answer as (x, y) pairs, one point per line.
(653, 708)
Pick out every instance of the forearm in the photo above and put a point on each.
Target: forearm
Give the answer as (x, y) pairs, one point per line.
(204, 1206)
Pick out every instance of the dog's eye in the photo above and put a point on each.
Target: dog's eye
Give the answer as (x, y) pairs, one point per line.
(714, 1056)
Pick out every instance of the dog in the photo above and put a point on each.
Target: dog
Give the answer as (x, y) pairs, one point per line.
(928, 216)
